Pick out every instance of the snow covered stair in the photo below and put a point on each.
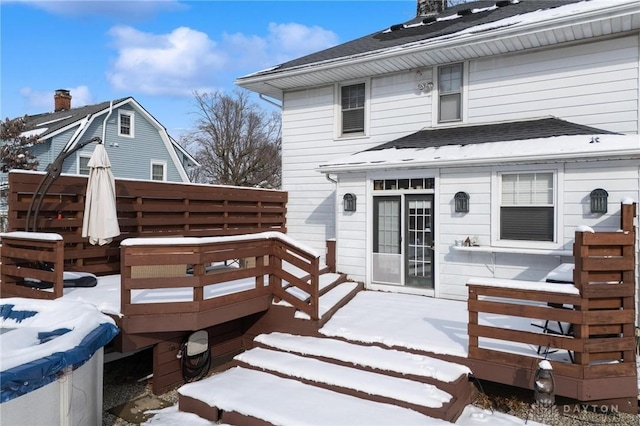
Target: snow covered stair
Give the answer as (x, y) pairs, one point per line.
(334, 290)
(321, 367)
(243, 396)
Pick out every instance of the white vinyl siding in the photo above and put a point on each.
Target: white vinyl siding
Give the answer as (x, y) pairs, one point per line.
(594, 84)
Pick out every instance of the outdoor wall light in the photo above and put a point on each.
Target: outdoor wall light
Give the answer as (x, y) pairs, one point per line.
(349, 202)
(599, 200)
(544, 385)
(461, 200)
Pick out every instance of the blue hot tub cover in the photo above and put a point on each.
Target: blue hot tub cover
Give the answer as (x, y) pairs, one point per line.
(41, 339)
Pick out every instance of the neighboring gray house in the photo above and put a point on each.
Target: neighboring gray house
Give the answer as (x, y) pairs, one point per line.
(498, 121)
(138, 146)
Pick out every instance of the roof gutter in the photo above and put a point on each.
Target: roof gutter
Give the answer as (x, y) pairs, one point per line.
(626, 154)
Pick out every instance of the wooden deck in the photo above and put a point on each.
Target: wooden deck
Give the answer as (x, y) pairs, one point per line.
(202, 226)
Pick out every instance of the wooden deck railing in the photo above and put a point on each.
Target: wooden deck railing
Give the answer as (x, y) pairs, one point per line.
(145, 209)
(150, 266)
(601, 313)
(22, 256)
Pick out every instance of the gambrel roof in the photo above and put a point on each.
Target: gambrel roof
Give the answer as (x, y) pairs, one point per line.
(47, 125)
(466, 31)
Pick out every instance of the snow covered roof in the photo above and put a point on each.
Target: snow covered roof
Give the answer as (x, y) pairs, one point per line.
(546, 139)
(462, 32)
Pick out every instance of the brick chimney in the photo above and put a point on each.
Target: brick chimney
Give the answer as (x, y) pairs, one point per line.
(426, 7)
(61, 100)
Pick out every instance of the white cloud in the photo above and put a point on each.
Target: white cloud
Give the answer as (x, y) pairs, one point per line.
(185, 60)
(169, 64)
(43, 101)
(282, 43)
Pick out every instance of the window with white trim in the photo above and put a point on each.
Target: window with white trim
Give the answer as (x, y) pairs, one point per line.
(352, 105)
(527, 206)
(83, 164)
(450, 93)
(125, 124)
(158, 170)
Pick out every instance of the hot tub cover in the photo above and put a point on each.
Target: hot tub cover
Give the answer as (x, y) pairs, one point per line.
(42, 338)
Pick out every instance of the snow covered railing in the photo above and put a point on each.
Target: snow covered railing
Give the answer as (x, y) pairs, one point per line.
(31, 256)
(204, 276)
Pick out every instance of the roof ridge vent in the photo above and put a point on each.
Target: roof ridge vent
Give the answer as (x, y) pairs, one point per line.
(397, 27)
(465, 12)
(504, 3)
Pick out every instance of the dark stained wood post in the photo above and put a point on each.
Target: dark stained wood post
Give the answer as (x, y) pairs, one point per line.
(315, 289)
(473, 320)
(58, 267)
(331, 255)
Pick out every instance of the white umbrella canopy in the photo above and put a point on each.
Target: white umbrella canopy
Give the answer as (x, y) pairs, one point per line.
(100, 221)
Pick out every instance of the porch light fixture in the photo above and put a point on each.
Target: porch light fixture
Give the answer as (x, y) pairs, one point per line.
(461, 200)
(349, 202)
(544, 385)
(599, 200)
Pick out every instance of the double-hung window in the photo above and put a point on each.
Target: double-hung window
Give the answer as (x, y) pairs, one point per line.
(125, 124)
(450, 93)
(352, 101)
(83, 164)
(527, 207)
(158, 170)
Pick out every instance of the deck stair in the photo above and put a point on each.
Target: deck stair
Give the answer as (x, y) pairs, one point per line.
(335, 291)
(365, 375)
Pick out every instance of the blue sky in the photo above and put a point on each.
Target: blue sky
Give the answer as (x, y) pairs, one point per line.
(160, 52)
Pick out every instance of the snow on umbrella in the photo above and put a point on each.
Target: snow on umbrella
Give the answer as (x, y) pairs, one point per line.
(100, 221)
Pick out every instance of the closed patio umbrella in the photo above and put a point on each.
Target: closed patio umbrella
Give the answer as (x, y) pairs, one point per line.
(100, 221)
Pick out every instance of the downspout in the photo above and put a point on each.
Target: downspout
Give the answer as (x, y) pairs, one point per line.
(104, 123)
(261, 96)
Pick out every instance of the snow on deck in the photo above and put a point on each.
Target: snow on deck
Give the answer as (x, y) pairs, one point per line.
(422, 394)
(422, 323)
(285, 401)
(367, 356)
(330, 299)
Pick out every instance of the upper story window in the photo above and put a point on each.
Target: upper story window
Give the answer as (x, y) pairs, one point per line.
(527, 207)
(450, 93)
(158, 170)
(353, 106)
(125, 124)
(83, 164)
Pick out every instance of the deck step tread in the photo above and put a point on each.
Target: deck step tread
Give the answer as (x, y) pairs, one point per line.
(373, 357)
(330, 299)
(296, 402)
(300, 367)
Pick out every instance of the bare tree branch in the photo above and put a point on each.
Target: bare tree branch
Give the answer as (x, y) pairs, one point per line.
(236, 142)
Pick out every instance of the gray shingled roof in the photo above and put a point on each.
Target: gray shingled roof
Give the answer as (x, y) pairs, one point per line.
(54, 121)
(384, 40)
(495, 132)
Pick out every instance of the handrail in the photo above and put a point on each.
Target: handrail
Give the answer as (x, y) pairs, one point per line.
(197, 254)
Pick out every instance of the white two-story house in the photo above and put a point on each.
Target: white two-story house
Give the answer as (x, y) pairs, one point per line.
(470, 142)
